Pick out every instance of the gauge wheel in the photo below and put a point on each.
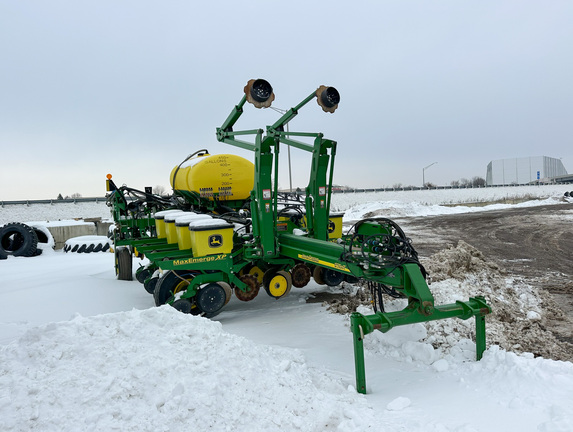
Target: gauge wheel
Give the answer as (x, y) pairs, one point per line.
(210, 299)
(277, 284)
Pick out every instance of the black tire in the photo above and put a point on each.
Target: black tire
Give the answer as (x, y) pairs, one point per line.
(90, 248)
(182, 305)
(351, 279)
(18, 239)
(169, 284)
(143, 273)
(42, 237)
(75, 248)
(98, 247)
(82, 248)
(3, 255)
(332, 277)
(123, 262)
(105, 247)
(150, 284)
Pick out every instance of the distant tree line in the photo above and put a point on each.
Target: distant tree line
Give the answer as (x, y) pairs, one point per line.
(463, 182)
(72, 196)
(474, 182)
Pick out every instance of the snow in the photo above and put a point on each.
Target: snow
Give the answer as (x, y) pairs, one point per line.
(200, 224)
(442, 197)
(164, 213)
(172, 215)
(82, 350)
(65, 213)
(190, 217)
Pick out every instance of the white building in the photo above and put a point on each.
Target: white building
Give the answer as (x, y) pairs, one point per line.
(523, 170)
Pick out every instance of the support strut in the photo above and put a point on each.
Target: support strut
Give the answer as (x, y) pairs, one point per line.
(362, 325)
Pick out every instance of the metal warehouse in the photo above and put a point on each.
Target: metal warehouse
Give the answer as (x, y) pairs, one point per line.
(523, 170)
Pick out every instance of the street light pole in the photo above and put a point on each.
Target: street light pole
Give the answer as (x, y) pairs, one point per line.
(423, 173)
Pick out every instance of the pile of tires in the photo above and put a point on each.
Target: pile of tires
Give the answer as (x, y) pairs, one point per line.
(87, 244)
(21, 240)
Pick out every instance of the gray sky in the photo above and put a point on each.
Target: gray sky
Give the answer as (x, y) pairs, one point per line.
(133, 87)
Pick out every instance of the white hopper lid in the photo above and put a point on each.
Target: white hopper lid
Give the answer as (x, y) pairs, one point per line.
(184, 220)
(163, 213)
(209, 224)
(169, 218)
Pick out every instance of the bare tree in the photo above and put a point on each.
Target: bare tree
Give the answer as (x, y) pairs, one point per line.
(159, 190)
(478, 181)
(75, 195)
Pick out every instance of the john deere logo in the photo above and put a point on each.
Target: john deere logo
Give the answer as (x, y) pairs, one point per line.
(331, 227)
(216, 240)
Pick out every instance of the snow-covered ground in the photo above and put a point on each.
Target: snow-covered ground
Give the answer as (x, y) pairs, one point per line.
(83, 351)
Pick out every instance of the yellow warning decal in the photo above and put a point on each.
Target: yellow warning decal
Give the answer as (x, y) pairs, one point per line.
(318, 261)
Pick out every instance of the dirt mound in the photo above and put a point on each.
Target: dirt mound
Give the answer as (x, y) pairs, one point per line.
(520, 312)
(457, 262)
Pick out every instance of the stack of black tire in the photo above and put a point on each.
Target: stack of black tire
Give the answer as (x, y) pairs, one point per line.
(19, 239)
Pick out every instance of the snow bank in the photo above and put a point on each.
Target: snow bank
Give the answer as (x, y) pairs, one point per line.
(397, 209)
(160, 370)
(53, 212)
(440, 197)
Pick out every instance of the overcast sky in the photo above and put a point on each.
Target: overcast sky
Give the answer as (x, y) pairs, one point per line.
(132, 87)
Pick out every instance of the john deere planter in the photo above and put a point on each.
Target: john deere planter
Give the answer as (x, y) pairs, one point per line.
(227, 228)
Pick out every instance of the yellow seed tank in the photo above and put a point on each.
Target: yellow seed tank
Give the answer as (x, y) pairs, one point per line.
(229, 176)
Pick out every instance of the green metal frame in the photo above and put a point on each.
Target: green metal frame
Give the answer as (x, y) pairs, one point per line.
(316, 250)
(264, 197)
(372, 253)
